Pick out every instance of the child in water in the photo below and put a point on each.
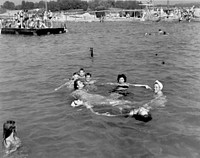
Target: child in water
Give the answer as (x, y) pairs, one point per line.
(81, 74)
(88, 79)
(10, 141)
(89, 83)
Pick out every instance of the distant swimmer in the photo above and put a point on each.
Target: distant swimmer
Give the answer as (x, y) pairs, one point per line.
(126, 108)
(10, 141)
(161, 32)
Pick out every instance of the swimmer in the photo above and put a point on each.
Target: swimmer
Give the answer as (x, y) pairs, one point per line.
(158, 86)
(89, 83)
(88, 80)
(125, 107)
(94, 99)
(69, 83)
(10, 141)
(160, 31)
(123, 85)
(81, 73)
(159, 99)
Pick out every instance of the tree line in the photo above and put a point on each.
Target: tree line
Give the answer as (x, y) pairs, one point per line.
(73, 4)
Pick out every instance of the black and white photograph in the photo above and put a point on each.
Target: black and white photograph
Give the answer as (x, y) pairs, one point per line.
(99, 78)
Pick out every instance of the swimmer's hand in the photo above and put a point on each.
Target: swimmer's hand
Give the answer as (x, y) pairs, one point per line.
(77, 103)
(67, 83)
(147, 87)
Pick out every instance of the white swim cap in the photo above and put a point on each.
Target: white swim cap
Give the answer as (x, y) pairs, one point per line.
(160, 84)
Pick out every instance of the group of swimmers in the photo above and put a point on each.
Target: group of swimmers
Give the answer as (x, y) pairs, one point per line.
(160, 32)
(82, 97)
(81, 81)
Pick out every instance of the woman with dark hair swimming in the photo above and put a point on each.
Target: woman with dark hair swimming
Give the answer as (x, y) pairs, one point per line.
(10, 141)
(124, 107)
(122, 86)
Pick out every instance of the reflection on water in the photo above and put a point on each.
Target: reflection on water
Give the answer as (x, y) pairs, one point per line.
(32, 67)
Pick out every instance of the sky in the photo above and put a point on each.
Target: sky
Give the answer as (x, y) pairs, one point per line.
(155, 1)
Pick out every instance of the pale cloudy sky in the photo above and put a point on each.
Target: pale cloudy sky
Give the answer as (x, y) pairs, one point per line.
(155, 1)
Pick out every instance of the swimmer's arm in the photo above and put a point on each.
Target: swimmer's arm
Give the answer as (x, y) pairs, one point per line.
(110, 83)
(7, 144)
(140, 85)
(66, 83)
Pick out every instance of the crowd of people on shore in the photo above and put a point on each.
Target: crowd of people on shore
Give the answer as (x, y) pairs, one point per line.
(25, 19)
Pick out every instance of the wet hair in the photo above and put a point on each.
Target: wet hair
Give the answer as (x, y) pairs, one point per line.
(81, 69)
(75, 73)
(145, 118)
(8, 128)
(121, 76)
(88, 74)
(76, 84)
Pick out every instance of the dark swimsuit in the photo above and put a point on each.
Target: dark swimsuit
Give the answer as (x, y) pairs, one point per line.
(121, 89)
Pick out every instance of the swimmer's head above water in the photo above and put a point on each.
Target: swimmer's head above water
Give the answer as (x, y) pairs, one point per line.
(8, 128)
(158, 86)
(88, 77)
(141, 114)
(10, 141)
(78, 84)
(81, 73)
(121, 78)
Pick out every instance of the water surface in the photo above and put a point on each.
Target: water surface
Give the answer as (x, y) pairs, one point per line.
(31, 67)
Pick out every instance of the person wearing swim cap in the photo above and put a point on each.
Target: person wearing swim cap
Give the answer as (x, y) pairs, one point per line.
(159, 99)
(10, 141)
(158, 86)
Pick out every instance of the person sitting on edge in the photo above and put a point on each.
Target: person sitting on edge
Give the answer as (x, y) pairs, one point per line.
(10, 141)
